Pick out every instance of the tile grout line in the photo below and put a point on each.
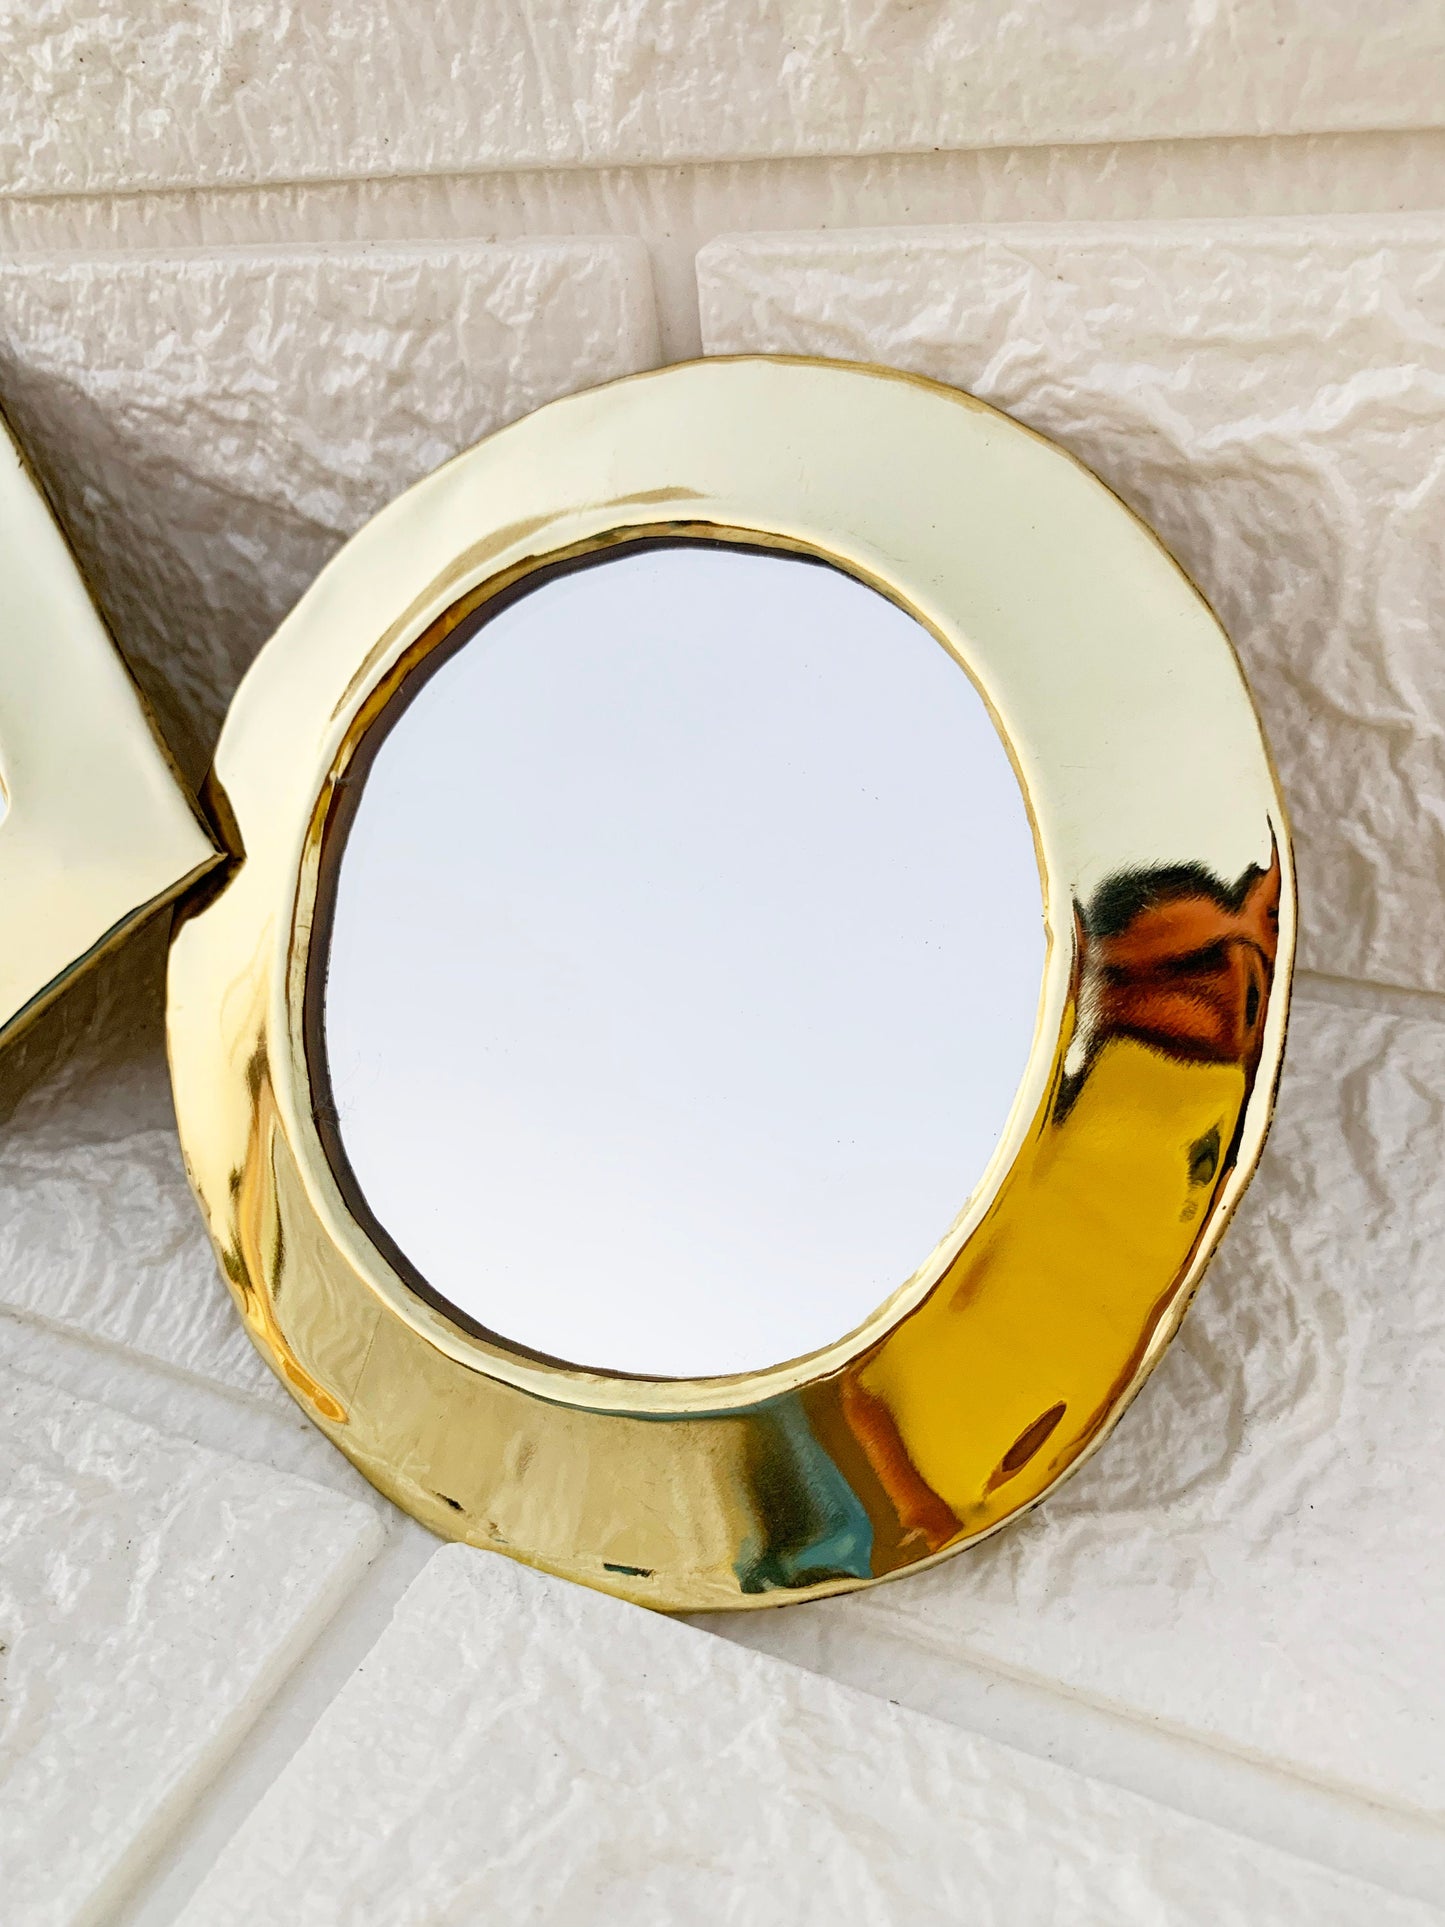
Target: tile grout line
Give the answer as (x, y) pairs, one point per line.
(683, 169)
(1329, 1827)
(895, 1624)
(1361, 993)
(210, 1413)
(220, 1806)
(677, 209)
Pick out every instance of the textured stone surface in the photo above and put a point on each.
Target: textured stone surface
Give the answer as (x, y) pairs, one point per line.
(163, 92)
(212, 427)
(151, 1594)
(1258, 1554)
(99, 1232)
(515, 1748)
(1269, 396)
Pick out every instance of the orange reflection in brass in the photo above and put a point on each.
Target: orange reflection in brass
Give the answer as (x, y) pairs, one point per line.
(1043, 1319)
(1169, 894)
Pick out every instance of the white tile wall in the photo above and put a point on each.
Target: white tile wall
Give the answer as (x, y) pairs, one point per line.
(165, 93)
(1269, 396)
(152, 1593)
(553, 1755)
(213, 426)
(676, 210)
(251, 283)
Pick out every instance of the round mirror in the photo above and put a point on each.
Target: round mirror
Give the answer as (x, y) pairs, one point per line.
(685, 959)
(750, 983)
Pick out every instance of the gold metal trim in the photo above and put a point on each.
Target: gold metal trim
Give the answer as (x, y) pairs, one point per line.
(1164, 852)
(96, 831)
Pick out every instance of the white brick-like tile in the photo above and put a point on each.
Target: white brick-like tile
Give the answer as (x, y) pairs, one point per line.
(213, 425)
(1257, 1555)
(515, 1748)
(1270, 396)
(161, 93)
(100, 1234)
(152, 1594)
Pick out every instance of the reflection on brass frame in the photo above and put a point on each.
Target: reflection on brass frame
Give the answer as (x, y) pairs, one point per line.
(1004, 1360)
(95, 829)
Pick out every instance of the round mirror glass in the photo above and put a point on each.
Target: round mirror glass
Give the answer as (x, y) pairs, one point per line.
(685, 958)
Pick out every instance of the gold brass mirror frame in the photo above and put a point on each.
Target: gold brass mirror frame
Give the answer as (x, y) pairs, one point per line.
(1169, 899)
(96, 831)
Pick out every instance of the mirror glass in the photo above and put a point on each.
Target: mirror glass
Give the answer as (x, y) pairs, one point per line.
(685, 958)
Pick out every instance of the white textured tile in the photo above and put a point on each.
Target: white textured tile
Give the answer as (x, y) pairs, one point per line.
(676, 210)
(152, 1593)
(99, 1231)
(162, 93)
(213, 425)
(515, 1748)
(1258, 1555)
(1271, 397)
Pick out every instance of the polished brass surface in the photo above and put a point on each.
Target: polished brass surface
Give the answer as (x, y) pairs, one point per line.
(95, 829)
(1164, 853)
